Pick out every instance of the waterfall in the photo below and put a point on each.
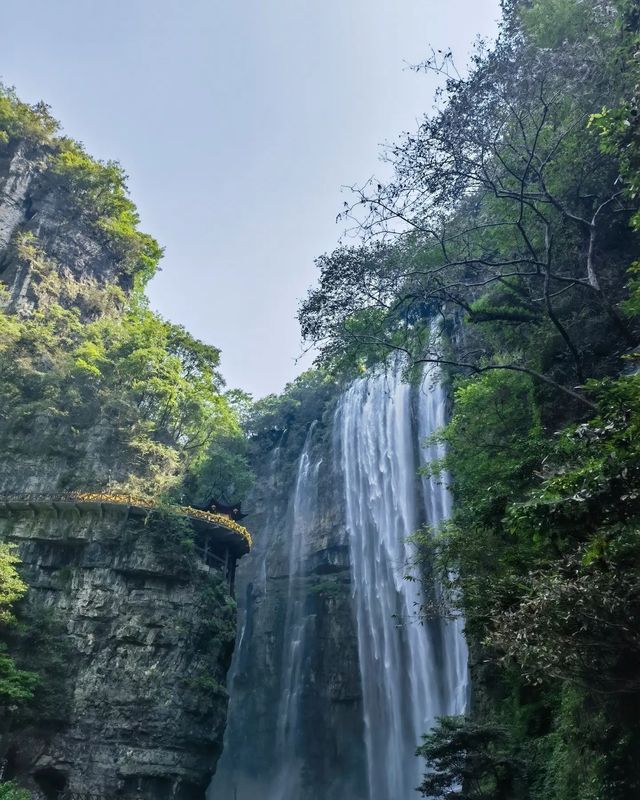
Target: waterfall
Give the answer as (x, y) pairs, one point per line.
(333, 680)
(288, 528)
(431, 413)
(410, 673)
(286, 785)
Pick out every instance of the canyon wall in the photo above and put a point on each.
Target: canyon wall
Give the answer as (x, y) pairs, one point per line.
(129, 632)
(145, 631)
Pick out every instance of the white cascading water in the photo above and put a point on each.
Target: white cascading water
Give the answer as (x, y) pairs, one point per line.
(431, 413)
(410, 673)
(282, 782)
(287, 782)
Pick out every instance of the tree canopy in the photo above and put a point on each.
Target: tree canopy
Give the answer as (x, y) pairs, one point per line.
(506, 209)
(504, 249)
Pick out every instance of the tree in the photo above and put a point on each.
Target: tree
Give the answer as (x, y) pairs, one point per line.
(575, 623)
(499, 211)
(578, 618)
(12, 587)
(468, 761)
(16, 685)
(11, 791)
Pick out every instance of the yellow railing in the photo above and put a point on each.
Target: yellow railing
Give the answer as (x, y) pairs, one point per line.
(206, 516)
(221, 520)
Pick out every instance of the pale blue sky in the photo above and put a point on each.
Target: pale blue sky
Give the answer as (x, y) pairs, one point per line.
(238, 122)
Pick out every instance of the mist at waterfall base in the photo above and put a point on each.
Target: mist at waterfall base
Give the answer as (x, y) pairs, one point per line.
(409, 673)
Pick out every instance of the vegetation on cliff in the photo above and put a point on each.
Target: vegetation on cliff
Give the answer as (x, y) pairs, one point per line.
(87, 351)
(511, 218)
(95, 191)
(15, 685)
(97, 394)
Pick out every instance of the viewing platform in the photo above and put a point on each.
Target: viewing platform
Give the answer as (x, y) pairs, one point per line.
(219, 541)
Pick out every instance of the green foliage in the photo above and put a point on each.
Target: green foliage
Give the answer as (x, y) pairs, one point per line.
(12, 587)
(95, 190)
(208, 686)
(577, 617)
(51, 288)
(574, 622)
(468, 761)
(632, 304)
(496, 422)
(552, 23)
(215, 631)
(619, 131)
(591, 476)
(11, 791)
(327, 588)
(222, 473)
(98, 191)
(21, 121)
(40, 643)
(302, 401)
(172, 536)
(89, 357)
(16, 685)
(545, 545)
(159, 388)
(590, 753)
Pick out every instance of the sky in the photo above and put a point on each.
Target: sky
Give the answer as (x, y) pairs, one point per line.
(239, 122)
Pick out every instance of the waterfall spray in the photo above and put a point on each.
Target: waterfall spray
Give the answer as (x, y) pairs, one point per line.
(409, 672)
(288, 739)
(400, 666)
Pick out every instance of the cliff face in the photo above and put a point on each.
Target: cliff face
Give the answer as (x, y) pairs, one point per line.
(130, 634)
(51, 252)
(36, 202)
(295, 719)
(146, 635)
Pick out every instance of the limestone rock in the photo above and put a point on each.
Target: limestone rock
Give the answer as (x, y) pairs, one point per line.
(147, 637)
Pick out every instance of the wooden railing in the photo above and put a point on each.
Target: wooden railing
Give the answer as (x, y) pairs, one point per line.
(136, 504)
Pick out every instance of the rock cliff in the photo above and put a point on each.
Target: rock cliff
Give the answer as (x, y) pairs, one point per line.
(129, 632)
(55, 258)
(147, 634)
(295, 721)
(37, 202)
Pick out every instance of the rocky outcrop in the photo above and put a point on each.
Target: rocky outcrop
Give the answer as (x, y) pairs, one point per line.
(52, 251)
(130, 634)
(295, 718)
(35, 202)
(146, 634)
